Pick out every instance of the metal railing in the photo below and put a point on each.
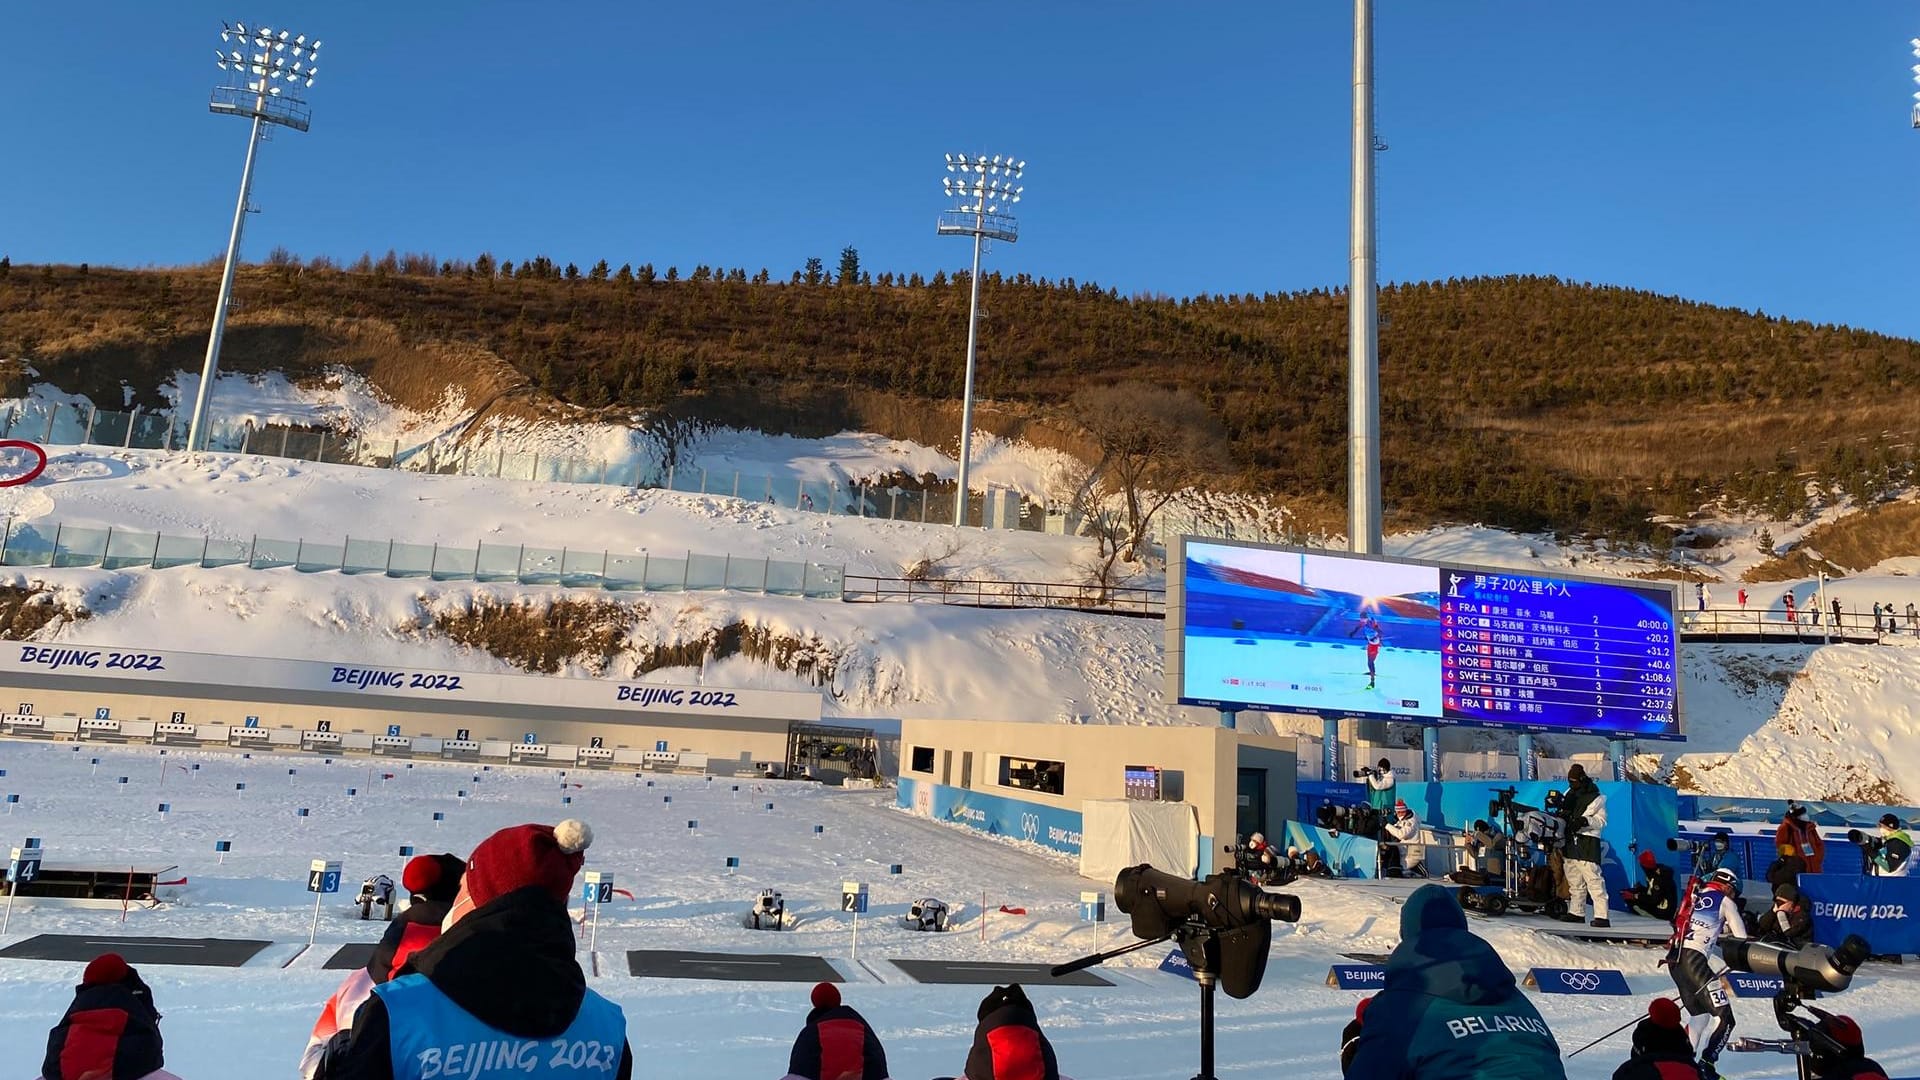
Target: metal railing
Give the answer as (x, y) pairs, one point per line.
(30, 543)
(1113, 600)
(1808, 626)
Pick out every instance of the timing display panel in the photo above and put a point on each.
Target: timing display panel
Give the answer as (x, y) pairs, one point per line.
(1284, 629)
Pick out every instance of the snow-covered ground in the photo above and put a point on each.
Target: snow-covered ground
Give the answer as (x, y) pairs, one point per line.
(253, 1021)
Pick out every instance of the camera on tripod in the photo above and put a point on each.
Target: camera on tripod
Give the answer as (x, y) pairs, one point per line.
(1808, 973)
(1222, 922)
(1870, 845)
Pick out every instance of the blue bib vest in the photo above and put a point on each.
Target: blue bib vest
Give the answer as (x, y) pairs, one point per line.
(431, 1038)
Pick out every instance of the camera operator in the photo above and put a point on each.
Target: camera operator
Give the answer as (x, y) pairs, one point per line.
(1450, 1009)
(1312, 865)
(1716, 911)
(1380, 785)
(1803, 836)
(1850, 1061)
(1585, 810)
(1485, 859)
(1790, 923)
(1895, 857)
(1658, 897)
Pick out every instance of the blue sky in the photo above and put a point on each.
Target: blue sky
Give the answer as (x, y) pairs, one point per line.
(1755, 154)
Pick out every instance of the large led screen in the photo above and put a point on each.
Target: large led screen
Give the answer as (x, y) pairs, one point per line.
(1343, 635)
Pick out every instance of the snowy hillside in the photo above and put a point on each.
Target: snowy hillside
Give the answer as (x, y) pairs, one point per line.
(226, 1024)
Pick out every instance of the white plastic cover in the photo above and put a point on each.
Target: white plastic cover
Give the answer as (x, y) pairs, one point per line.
(1118, 833)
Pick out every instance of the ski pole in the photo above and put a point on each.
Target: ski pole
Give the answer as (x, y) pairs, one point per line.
(1721, 974)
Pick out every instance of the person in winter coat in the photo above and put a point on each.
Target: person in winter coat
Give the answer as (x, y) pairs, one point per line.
(432, 881)
(110, 1032)
(1787, 865)
(1661, 1049)
(1350, 1036)
(1399, 854)
(1790, 923)
(836, 1043)
(1586, 812)
(1896, 849)
(1312, 865)
(1803, 835)
(499, 992)
(1850, 1061)
(1381, 785)
(1008, 1044)
(1450, 1009)
(1658, 897)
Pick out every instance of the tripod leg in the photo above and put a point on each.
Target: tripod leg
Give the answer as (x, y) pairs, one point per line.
(1206, 1029)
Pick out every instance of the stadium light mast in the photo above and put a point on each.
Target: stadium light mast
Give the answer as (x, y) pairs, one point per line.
(265, 57)
(1363, 327)
(984, 192)
(1916, 78)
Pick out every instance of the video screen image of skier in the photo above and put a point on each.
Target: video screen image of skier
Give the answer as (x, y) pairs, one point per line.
(1295, 630)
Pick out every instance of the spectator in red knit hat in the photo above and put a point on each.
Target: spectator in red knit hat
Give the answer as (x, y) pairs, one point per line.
(432, 882)
(1008, 1045)
(110, 1032)
(500, 990)
(1840, 1053)
(836, 1043)
(1661, 1048)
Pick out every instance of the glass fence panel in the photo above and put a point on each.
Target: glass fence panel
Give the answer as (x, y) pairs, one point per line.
(315, 557)
(706, 571)
(747, 575)
(226, 552)
(126, 549)
(75, 546)
(786, 578)
(269, 553)
(179, 551)
(27, 546)
(548, 468)
(623, 473)
(410, 560)
(454, 563)
(340, 450)
(152, 431)
(541, 566)
(366, 556)
(687, 478)
(824, 581)
(784, 491)
(626, 572)
(666, 575)
(109, 428)
(582, 567)
(498, 562)
(509, 466)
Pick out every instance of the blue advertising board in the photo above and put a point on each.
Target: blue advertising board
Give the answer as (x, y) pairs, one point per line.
(1748, 985)
(996, 815)
(1336, 634)
(1885, 911)
(1350, 856)
(1587, 981)
(1357, 976)
(1176, 962)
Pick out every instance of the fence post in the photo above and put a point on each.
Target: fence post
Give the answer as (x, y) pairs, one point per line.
(726, 569)
(520, 565)
(669, 478)
(766, 570)
(433, 563)
(736, 483)
(132, 419)
(500, 463)
(205, 541)
(7, 536)
(286, 433)
(561, 574)
(686, 567)
(12, 414)
(51, 413)
(246, 436)
(299, 552)
(106, 548)
(389, 568)
(345, 543)
(252, 546)
(536, 466)
(393, 459)
(466, 453)
(53, 559)
(604, 555)
(320, 454)
(476, 559)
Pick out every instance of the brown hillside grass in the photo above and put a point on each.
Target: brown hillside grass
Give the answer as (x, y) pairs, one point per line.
(25, 610)
(1851, 544)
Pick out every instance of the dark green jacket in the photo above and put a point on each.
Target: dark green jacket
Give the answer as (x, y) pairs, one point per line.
(1450, 1010)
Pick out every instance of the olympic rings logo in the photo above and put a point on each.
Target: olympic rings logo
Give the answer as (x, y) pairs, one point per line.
(1580, 980)
(21, 462)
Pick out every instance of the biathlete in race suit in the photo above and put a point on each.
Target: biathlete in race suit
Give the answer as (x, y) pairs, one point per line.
(1716, 912)
(1371, 627)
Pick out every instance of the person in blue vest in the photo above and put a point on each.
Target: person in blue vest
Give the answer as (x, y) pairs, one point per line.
(1450, 1009)
(499, 993)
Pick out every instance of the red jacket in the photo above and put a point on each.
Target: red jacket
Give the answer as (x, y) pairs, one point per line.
(1805, 839)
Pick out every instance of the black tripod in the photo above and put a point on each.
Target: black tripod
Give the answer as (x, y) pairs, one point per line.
(1201, 945)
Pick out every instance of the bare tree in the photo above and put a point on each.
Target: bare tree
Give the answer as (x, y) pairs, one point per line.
(1153, 442)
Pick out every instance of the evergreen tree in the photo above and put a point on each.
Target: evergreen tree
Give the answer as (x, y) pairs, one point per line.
(483, 264)
(673, 274)
(815, 270)
(599, 271)
(573, 272)
(762, 277)
(506, 269)
(625, 276)
(645, 274)
(849, 265)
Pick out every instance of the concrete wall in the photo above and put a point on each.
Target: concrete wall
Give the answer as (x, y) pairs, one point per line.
(1200, 764)
(739, 739)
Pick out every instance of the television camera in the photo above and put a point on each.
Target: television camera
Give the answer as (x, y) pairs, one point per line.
(1707, 854)
(1258, 862)
(1222, 925)
(769, 912)
(376, 891)
(1807, 972)
(1870, 848)
(1532, 834)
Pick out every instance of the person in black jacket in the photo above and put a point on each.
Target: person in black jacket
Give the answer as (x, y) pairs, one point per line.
(1661, 1049)
(499, 991)
(1787, 866)
(1849, 1061)
(1790, 923)
(1655, 899)
(1350, 1035)
(110, 1032)
(1008, 1045)
(837, 1043)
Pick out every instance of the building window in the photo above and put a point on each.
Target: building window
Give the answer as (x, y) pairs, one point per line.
(1048, 777)
(922, 759)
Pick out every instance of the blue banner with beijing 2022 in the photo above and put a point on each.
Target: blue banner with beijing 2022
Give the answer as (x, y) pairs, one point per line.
(1885, 911)
(994, 814)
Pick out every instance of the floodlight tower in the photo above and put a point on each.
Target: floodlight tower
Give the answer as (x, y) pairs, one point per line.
(1916, 78)
(265, 57)
(984, 192)
(1363, 321)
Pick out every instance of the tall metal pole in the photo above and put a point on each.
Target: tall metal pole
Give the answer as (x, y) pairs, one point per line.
(966, 400)
(1363, 342)
(200, 429)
